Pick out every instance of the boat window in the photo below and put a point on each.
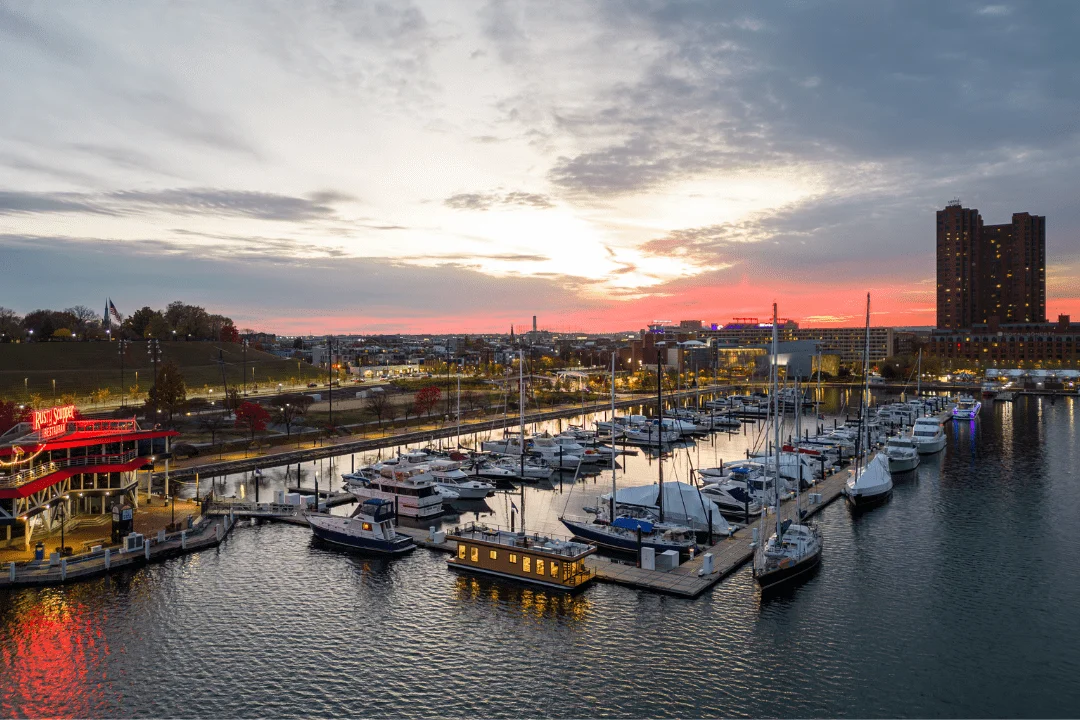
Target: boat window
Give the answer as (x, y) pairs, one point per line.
(539, 566)
(474, 554)
(554, 569)
(493, 554)
(526, 563)
(366, 526)
(461, 550)
(513, 557)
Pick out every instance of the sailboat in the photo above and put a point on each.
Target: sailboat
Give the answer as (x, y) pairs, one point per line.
(624, 531)
(795, 548)
(871, 483)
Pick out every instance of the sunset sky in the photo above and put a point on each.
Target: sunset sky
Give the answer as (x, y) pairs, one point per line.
(462, 166)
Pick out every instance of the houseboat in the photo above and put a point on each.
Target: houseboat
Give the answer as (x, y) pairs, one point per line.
(532, 558)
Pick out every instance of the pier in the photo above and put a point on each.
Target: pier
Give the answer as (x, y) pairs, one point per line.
(205, 534)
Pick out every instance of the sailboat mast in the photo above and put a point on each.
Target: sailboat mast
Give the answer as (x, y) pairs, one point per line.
(611, 511)
(817, 398)
(864, 395)
(660, 431)
(918, 376)
(776, 416)
(521, 408)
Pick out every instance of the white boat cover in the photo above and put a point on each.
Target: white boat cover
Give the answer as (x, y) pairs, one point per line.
(873, 479)
(683, 505)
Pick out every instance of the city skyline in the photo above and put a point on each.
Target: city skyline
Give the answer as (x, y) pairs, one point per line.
(434, 167)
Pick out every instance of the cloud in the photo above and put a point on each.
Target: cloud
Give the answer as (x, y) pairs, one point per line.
(482, 201)
(180, 201)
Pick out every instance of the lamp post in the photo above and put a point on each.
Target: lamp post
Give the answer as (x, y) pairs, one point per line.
(245, 367)
(122, 344)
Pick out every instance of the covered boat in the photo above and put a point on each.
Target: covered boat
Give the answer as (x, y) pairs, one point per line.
(683, 504)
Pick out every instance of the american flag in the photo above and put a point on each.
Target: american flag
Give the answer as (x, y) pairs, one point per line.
(113, 311)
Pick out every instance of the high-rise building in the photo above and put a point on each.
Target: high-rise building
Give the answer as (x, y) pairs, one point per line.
(989, 272)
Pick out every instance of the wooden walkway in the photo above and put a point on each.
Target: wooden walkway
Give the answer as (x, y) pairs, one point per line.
(729, 554)
(206, 534)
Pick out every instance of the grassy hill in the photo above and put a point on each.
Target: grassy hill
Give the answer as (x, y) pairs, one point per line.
(82, 368)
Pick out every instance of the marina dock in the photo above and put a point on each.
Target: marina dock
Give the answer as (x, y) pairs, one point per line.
(208, 533)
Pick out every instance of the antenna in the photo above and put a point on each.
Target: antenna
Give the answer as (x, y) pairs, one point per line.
(955, 202)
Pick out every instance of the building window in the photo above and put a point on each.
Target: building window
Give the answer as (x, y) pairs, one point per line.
(526, 563)
(474, 554)
(554, 569)
(493, 554)
(461, 550)
(539, 566)
(513, 557)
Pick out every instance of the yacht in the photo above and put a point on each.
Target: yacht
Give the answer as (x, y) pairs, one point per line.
(733, 498)
(966, 408)
(370, 529)
(460, 482)
(871, 484)
(929, 436)
(412, 491)
(903, 453)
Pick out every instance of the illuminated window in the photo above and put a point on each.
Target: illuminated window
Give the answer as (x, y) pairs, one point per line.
(526, 563)
(554, 569)
(474, 554)
(461, 550)
(513, 557)
(494, 555)
(366, 526)
(539, 566)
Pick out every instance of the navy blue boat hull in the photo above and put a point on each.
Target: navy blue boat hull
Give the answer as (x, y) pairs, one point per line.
(624, 544)
(384, 547)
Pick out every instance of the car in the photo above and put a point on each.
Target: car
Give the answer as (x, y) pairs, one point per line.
(310, 385)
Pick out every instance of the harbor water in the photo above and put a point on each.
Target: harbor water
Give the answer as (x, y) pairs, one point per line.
(956, 598)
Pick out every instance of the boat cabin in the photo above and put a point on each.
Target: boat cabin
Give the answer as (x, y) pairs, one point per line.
(536, 559)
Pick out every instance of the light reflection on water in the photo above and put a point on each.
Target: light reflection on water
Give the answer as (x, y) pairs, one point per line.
(956, 598)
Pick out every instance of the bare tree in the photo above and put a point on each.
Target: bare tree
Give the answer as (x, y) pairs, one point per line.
(213, 423)
(378, 405)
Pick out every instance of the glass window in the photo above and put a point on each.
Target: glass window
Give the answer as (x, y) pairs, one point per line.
(493, 554)
(526, 563)
(539, 566)
(554, 569)
(474, 554)
(461, 550)
(366, 526)
(513, 557)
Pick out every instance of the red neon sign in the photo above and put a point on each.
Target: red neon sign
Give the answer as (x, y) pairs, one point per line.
(51, 422)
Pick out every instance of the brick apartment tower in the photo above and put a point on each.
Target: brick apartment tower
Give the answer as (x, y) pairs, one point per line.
(989, 273)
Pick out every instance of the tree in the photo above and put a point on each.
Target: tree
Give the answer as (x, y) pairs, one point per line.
(10, 325)
(377, 404)
(168, 392)
(11, 415)
(252, 417)
(213, 423)
(85, 319)
(290, 407)
(426, 398)
(228, 332)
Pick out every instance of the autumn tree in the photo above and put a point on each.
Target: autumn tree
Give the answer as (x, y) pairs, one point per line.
(252, 417)
(10, 325)
(11, 415)
(426, 398)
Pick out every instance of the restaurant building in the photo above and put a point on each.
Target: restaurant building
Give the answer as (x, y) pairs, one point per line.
(59, 468)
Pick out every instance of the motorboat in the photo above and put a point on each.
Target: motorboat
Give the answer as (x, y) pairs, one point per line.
(460, 482)
(928, 435)
(733, 498)
(966, 408)
(870, 484)
(370, 529)
(903, 453)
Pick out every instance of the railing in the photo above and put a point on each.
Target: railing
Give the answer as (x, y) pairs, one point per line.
(21, 478)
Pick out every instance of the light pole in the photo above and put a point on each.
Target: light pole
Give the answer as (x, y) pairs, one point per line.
(153, 349)
(245, 366)
(123, 350)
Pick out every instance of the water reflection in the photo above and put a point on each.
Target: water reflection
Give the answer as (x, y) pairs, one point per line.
(511, 598)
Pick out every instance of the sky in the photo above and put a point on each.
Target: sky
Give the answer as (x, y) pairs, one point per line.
(310, 167)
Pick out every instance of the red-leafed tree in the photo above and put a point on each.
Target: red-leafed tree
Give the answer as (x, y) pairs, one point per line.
(11, 415)
(229, 333)
(425, 399)
(252, 417)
